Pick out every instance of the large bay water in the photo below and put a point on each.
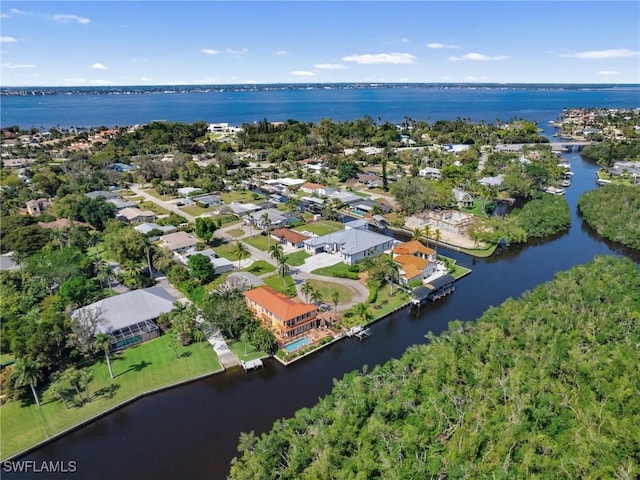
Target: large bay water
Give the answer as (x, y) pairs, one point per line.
(191, 432)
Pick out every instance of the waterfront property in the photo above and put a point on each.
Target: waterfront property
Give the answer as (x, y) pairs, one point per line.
(352, 245)
(129, 317)
(286, 317)
(415, 261)
(434, 290)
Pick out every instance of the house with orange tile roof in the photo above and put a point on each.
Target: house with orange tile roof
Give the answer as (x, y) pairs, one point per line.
(416, 262)
(289, 237)
(316, 189)
(284, 316)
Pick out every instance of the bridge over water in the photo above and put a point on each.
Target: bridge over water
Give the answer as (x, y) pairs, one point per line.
(564, 146)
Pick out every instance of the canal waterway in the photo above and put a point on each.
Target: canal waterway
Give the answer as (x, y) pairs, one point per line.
(191, 432)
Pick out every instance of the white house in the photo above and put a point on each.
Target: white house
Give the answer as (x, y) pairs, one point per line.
(351, 245)
(316, 189)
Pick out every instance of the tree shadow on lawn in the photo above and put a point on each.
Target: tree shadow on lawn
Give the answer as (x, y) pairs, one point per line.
(107, 392)
(136, 367)
(186, 354)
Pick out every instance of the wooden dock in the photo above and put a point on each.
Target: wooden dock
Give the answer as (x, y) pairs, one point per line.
(359, 332)
(252, 365)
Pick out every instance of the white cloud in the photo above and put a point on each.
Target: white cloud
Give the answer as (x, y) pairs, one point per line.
(144, 79)
(101, 82)
(440, 45)
(250, 82)
(282, 52)
(608, 72)
(209, 51)
(205, 80)
(404, 40)
(372, 59)
(330, 66)
(74, 80)
(231, 51)
(18, 65)
(471, 78)
(600, 54)
(478, 57)
(18, 12)
(302, 73)
(4, 15)
(64, 18)
(98, 66)
(7, 40)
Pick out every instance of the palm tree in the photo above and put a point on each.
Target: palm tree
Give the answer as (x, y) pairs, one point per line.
(104, 273)
(103, 342)
(416, 234)
(266, 221)
(240, 251)
(28, 374)
(335, 298)
(392, 272)
(436, 238)
(306, 289)
(316, 296)
(148, 246)
(426, 231)
(276, 251)
(362, 310)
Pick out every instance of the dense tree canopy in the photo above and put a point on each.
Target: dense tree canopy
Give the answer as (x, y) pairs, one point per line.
(614, 212)
(545, 386)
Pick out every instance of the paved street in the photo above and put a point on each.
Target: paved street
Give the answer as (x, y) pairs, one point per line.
(161, 203)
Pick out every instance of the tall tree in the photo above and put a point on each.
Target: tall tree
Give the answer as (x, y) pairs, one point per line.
(241, 251)
(335, 298)
(306, 290)
(266, 222)
(103, 342)
(28, 374)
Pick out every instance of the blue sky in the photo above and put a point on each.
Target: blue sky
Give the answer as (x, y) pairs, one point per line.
(212, 42)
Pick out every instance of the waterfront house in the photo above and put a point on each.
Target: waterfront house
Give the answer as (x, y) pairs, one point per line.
(415, 261)
(463, 199)
(289, 237)
(352, 245)
(284, 316)
(316, 189)
(129, 317)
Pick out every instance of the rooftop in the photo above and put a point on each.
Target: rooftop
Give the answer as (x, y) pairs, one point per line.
(278, 304)
(352, 241)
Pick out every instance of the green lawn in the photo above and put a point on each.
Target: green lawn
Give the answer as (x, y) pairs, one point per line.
(235, 232)
(196, 210)
(240, 196)
(477, 209)
(138, 369)
(478, 252)
(261, 242)
(275, 281)
(297, 258)
(157, 209)
(322, 227)
(228, 219)
(154, 193)
(385, 303)
(340, 270)
(259, 267)
(226, 251)
(326, 289)
(238, 348)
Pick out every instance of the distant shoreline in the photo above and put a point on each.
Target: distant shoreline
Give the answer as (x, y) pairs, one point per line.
(171, 89)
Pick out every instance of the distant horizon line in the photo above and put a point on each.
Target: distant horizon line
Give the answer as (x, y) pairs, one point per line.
(299, 84)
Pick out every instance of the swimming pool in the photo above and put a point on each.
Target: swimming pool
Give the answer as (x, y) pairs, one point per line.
(301, 342)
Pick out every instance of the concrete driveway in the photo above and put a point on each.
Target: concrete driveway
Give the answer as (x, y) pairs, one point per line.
(318, 261)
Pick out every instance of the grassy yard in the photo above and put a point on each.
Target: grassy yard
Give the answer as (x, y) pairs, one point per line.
(297, 258)
(228, 219)
(138, 369)
(259, 268)
(326, 289)
(239, 348)
(158, 210)
(385, 303)
(196, 210)
(261, 242)
(340, 270)
(235, 232)
(477, 209)
(323, 227)
(240, 196)
(275, 281)
(226, 250)
(481, 253)
(154, 193)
